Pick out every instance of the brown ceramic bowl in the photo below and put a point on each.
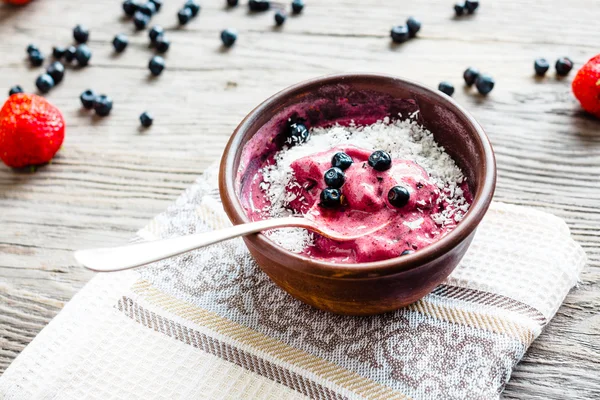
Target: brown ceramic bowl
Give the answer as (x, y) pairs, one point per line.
(374, 287)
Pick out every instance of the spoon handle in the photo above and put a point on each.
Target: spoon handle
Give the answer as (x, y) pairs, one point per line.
(112, 259)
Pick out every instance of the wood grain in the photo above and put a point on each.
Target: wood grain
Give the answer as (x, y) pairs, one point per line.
(111, 177)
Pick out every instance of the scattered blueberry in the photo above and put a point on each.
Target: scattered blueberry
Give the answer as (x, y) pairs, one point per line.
(83, 54)
(470, 75)
(446, 87)
(155, 32)
(148, 9)
(44, 83)
(36, 58)
(541, 66)
(15, 89)
(162, 44)
(259, 5)
(459, 9)
(57, 71)
(331, 198)
(102, 105)
(400, 33)
(297, 6)
(484, 84)
(334, 178)
(563, 66)
(81, 34)
(407, 252)
(31, 48)
(130, 7)
(299, 133)
(398, 196)
(157, 4)
(193, 6)
(156, 65)
(87, 99)
(70, 53)
(380, 160)
(120, 42)
(146, 119)
(228, 37)
(140, 20)
(471, 5)
(341, 160)
(58, 52)
(232, 3)
(280, 17)
(413, 25)
(184, 15)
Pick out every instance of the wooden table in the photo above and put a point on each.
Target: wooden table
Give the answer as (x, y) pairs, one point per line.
(110, 177)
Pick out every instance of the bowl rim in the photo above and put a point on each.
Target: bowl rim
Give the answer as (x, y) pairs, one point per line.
(481, 199)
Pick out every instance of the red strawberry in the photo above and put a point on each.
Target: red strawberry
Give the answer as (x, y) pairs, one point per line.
(31, 130)
(586, 86)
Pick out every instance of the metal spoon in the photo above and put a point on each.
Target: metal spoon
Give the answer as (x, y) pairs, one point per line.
(112, 259)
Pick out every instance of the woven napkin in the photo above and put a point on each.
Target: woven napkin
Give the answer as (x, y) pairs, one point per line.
(211, 325)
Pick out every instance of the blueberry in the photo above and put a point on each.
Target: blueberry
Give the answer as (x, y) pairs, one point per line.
(15, 89)
(228, 37)
(81, 34)
(471, 5)
(87, 99)
(334, 178)
(120, 42)
(140, 20)
(380, 160)
(446, 87)
(413, 25)
(103, 105)
(563, 66)
(162, 44)
(70, 53)
(146, 119)
(541, 66)
(341, 160)
(398, 196)
(156, 65)
(130, 7)
(232, 3)
(484, 84)
(155, 32)
(259, 5)
(298, 133)
(470, 75)
(58, 52)
(297, 6)
(44, 83)
(330, 198)
(400, 34)
(157, 4)
(83, 55)
(31, 48)
(280, 17)
(407, 252)
(36, 58)
(184, 15)
(459, 9)
(193, 6)
(57, 71)
(148, 9)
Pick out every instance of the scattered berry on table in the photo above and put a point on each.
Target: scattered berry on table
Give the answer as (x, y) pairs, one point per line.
(341, 160)
(57, 71)
(155, 32)
(140, 20)
(120, 42)
(398, 196)
(380, 160)
(15, 89)
(446, 87)
(459, 9)
(156, 65)
(471, 5)
(81, 34)
(146, 119)
(586, 86)
(484, 84)
(193, 6)
(184, 15)
(130, 7)
(413, 25)
(259, 5)
(334, 178)
(280, 17)
(87, 99)
(162, 44)
(103, 105)
(400, 34)
(563, 66)
(228, 37)
(407, 252)
(470, 75)
(44, 83)
(36, 58)
(70, 53)
(157, 4)
(31, 48)
(331, 198)
(297, 6)
(148, 9)
(298, 133)
(232, 3)
(83, 54)
(541, 66)
(58, 52)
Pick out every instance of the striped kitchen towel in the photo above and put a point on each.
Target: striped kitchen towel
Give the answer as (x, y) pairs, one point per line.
(211, 325)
